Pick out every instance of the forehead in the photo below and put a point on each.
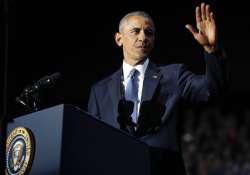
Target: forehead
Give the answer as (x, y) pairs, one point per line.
(138, 22)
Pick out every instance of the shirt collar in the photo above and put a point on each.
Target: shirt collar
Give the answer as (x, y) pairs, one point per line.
(140, 67)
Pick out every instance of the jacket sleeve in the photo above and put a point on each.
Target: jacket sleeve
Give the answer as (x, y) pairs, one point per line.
(93, 108)
(205, 87)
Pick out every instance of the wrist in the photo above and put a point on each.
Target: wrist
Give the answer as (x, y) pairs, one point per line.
(210, 49)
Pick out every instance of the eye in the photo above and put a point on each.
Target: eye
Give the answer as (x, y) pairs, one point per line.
(135, 30)
(149, 32)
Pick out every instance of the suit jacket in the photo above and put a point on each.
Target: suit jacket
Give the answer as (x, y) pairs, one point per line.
(165, 85)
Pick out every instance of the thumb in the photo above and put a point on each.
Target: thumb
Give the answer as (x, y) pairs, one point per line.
(191, 29)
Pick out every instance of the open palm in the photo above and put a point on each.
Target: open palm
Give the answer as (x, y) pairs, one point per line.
(206, 32)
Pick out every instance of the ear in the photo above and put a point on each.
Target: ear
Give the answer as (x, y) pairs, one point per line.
(118, 39)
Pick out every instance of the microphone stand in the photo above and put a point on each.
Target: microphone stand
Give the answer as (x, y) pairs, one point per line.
(30, 100)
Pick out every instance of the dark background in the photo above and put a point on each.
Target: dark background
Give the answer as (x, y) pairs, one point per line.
(76, 38)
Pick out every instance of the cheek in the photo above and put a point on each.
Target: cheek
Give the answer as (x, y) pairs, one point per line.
(152, 40)
(128, 43)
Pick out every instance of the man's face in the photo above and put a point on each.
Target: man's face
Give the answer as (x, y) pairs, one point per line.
(136, 38)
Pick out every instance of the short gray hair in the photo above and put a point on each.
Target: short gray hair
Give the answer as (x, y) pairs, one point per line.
(134, 13)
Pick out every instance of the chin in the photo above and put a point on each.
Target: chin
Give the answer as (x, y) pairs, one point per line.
(140, 59)
(143, 56)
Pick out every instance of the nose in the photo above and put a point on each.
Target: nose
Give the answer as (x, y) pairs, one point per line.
(142, 36)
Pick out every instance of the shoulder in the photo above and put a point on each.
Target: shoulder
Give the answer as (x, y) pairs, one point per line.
(167, 72)
(102, 82)
(167, 69)
(171, 68)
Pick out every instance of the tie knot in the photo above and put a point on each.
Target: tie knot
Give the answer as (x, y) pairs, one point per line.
(134, 74)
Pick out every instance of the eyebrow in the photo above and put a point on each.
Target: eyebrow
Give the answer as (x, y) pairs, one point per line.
(136, 28)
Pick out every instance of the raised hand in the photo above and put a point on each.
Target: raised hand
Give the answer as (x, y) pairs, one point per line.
(206, 32)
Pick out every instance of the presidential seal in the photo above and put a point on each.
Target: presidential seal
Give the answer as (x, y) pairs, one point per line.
(19, 151)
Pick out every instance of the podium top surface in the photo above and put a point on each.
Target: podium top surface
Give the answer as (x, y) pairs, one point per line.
(61, 109)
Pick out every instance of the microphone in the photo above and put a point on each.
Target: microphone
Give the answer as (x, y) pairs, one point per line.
(125, 110)
(30, 94)
(44, 82)
(125, 107)
(149, 120)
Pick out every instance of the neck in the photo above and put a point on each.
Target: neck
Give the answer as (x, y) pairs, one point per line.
(135, 62)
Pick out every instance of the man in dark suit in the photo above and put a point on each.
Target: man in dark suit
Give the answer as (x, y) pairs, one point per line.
(151, 117)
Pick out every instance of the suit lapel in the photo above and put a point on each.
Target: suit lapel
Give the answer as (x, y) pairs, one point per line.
(151, 80)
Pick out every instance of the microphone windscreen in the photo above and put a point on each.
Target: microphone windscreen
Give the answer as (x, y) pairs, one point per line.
(49, 80)
(125, 107)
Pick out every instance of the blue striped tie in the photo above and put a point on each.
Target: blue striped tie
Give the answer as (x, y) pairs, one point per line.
(132, 92)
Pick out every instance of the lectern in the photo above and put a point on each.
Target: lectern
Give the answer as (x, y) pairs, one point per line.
(67, 140)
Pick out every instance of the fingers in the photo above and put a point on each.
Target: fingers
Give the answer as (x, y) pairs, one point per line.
(203, 13)
(212, 17)
(208, 12)
(198, 14)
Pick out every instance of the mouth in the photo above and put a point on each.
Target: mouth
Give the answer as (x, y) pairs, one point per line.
(141, 47)
(144, 47)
